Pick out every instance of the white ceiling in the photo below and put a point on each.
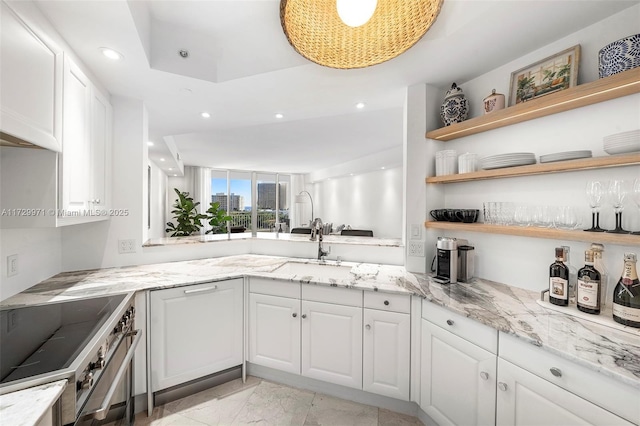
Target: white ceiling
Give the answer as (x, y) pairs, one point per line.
(242, 71)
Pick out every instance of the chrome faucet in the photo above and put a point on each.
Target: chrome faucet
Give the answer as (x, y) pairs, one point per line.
(316, 229)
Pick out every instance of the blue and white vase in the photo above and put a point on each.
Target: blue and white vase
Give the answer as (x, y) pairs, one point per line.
(621, 55)
(455, 107)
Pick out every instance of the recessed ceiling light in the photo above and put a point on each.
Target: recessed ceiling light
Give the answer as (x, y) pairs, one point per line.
(360, 105)
(278, 115)
(170, 168)
(205, 115)
(111, 54)
(382, 167)
(350, 174)
(175, 175)
(149, 143)
(162, 159)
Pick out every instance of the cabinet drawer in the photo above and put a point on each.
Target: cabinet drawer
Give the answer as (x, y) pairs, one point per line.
(471, 330)
(606, 392)
(274, 287)
(387, 302)
(338, 296)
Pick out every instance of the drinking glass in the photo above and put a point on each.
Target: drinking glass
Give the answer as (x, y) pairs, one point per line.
(566, 217)
(595, 192)
(636, 198)
(522, 215)
(617, 193)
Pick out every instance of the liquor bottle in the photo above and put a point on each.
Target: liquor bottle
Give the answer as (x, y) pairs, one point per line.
(589, 279)
(573, 274)
(559, 280)
(626, 295)
(599, 264)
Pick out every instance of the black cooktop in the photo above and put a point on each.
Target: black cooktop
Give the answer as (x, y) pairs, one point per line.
(45, 338)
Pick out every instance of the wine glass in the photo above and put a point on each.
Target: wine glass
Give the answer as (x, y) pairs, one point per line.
(617, 193)
(636, 198)
(595, 192)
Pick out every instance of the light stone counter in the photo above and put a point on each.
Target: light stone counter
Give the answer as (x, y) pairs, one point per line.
(509, 309)
(27, 407)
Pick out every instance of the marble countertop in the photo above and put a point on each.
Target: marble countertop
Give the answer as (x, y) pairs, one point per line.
(509, 309)
(27, 407)
(273, 236)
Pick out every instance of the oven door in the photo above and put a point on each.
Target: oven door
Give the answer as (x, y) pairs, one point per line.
(112, 396)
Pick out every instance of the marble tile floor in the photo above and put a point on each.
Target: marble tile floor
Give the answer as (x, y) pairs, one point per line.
(259, 402)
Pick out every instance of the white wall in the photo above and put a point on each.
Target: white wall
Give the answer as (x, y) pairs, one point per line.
(524, 262)
(365, 201)
(159, 202)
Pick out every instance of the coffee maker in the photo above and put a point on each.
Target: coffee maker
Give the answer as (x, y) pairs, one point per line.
(453, 260)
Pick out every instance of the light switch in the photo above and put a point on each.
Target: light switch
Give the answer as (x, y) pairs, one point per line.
(416, 232)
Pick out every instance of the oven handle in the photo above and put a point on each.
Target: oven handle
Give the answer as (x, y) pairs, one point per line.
(101, 413)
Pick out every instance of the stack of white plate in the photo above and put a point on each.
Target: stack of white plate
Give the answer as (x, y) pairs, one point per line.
(508, 160)
(562, 156)
(622, 143)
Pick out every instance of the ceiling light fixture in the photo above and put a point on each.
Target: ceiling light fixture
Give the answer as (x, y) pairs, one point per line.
(355, 13)
(170, 168)
(162, 159)
(111, 54)
(278, 115)
(205, 115)
(149, 143)
(316, 30)
(360, 105)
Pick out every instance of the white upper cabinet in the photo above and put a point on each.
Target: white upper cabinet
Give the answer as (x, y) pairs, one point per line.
(31, 81)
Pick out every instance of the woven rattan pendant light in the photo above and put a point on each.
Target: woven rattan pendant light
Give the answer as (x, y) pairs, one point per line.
(315, 31)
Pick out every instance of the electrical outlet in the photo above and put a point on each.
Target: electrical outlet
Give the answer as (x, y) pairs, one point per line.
(126, 246)
(12, 265)
(416, 248)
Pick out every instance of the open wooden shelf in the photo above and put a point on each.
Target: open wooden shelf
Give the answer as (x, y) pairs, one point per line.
(542, 168)
(604, 89)
(535, 232)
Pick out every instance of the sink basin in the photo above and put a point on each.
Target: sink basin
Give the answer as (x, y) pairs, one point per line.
(315, 270)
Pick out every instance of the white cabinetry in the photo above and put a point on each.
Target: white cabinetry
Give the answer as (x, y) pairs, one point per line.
(386, 345)
(195, 331)
(458, 377)
(525, 399)
(31, 81)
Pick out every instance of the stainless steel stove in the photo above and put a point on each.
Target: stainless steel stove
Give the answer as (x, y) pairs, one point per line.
(90, 342)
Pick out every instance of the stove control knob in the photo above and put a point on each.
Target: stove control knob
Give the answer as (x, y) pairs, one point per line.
(86, 382)
(100, 362)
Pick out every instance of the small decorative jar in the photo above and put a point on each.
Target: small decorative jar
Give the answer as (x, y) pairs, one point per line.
(493, 102)
(621, 55)
(455, 108)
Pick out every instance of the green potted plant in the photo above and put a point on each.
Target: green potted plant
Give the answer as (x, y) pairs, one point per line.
(217, 218)
(186, 215)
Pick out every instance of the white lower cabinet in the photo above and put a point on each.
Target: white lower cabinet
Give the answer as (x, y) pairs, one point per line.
(195, 331)
(458, 380)
(332, 343)
(386, 353)
(274, 332)
(526, 399)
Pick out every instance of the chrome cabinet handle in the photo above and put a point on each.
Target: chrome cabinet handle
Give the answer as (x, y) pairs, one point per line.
(450, 322)
(502, 386)
(556, 371)
(368, 327)
(386, 303)
(294, 315)
(200, 290)
(97, 200)
(304, 316)
(484, 375)
(101, 413)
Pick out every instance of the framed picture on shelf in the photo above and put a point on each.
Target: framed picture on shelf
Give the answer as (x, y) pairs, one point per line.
(550, 75)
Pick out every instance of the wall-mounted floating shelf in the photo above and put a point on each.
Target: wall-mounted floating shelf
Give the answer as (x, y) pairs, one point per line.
(535, 232)
(604, 89)
(542, 168)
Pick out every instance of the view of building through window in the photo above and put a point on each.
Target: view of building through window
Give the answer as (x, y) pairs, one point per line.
(234, 195)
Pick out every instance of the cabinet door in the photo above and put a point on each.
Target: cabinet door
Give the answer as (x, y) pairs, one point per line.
(332, 343)
(386, 351)
(195, 331)
(458, 379)
(274, 332)
(76, 155)
(100, 149)
(526, 399)
(31, 81)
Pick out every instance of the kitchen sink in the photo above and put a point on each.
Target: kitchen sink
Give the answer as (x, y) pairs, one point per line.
(337, 272)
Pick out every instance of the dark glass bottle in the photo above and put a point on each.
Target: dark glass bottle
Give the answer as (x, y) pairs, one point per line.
(626, 295)
(559, 280)
(589, 279)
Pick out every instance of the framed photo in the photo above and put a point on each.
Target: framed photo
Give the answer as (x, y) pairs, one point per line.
(550, 75)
